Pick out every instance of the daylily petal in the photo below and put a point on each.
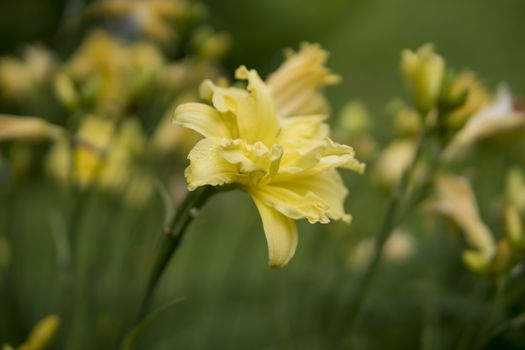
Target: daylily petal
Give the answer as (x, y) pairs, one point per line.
(302, 130)
(201, 118)
(256, 159)
(281, 234)
(456, 200)
(334, 155)
(257, 120)
(253, 111)
(296, 84)
(317, 198)
(207, 167)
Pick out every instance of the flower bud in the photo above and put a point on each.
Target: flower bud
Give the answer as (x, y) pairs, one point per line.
(42, 333)
(476, 261)
(513, 225)
(423, 72)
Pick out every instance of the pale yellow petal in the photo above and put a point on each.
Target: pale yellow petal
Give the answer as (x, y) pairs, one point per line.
(252, 110)
(257, 161)
(317, 198)
(456, 200)
(281, 234)
(296, 84)
(208, 167)
(257, 119)
(201, 118)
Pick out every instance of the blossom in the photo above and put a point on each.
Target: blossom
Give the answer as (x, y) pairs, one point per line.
(104, 155)
(150, 17)
(455, 200)
(399, 247)
(423, 72)
(497, 117)
(109, 73)
(477, 97)
(287, 165)
(19, 78)
(393, 162)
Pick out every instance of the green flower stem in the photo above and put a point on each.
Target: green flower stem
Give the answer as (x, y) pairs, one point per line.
(390, 222)
(172, 238)
(485, 334)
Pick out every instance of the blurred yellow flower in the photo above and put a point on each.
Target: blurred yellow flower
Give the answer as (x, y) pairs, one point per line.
(393, 161)
(497, 117)
(21, 77)
(150, 17)
(102, 153)
(287, 165)
(111, 72)
(477, 97)
(27, 128)
(296, 83)
(423, 72)
(400, 247)
(454, 199)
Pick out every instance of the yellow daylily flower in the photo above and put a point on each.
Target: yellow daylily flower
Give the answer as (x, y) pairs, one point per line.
(297, 82)
(27, 128)
(455, 200)
(287, 165)
(150, 17)
(110, 72)
(393, 161)
(103, 154)
(497, 117)
(423, 72)
(20, 77)
(399, 247)
(477, 97)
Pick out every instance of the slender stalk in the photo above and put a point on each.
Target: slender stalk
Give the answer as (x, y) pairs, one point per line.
(390, 221)
(172, 238)
(485, 334)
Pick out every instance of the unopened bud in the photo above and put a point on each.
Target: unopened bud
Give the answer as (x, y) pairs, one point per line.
(423, 72)
(42, 333)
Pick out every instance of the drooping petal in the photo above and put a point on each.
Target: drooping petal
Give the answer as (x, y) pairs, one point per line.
(281, 234)
(296, 84)
(201, 118)
(456, 200)
(208, 167)
(317, 198)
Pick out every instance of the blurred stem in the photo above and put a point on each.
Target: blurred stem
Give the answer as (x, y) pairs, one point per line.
(485, 336)
(172, 238)
(390, 222)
